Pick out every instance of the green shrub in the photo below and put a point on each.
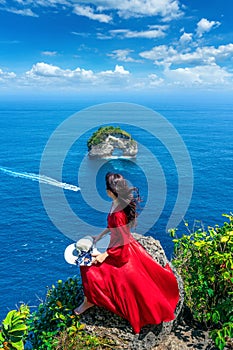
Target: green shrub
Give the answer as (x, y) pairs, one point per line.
(55, 314)
(204, 259)
(54, 326)
(14, 329)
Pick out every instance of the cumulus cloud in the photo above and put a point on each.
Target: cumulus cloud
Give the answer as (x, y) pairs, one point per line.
(167, 9)
(168, 55)
(119, 70)
(88, 11)
(44, 74)
(186, 38)
(208, 75)
(160, 54)
(42, 69)
(204, 26)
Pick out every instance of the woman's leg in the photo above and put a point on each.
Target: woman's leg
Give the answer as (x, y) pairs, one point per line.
(83, 307)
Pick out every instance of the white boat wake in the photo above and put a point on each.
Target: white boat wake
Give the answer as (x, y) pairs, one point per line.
(40, 178)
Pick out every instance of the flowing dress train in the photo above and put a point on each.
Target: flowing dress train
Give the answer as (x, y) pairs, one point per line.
(129, 282)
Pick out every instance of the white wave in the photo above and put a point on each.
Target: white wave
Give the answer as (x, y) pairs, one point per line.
(118, 157)
(41, 178)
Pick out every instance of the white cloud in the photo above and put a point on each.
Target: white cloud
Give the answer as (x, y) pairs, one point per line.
(168, 55)
(42, 69)
(154, 80)
(46, 77)
(82, 34)
(119, 71)
(22, 12)
(159, 54)
(186, 38)
(103, 36)
(204, 26)
(49, 53)
(43, 74)
(6, 75)
(152, 33)
(208, 75)
(149, 34)
(167, 9)
(45, 3)
(87, 11)
(122, 55)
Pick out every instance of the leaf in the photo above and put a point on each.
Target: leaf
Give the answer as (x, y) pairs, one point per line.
(9, 317)
(59, 303)
(18, 346)
(198, 244)
(224, 239)
(81, 326)
(210, 292)
(19, 328)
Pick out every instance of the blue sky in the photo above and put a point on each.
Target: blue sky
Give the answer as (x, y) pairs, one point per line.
(118, 46)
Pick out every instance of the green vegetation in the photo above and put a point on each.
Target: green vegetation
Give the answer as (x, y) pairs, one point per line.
(103, 132)
(204, 259)
(14, 329)
(55, 314)
(53, 326)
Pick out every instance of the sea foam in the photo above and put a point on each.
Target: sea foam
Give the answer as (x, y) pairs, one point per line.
(40, 178)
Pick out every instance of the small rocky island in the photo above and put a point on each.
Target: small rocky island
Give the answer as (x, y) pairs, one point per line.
(109, 139)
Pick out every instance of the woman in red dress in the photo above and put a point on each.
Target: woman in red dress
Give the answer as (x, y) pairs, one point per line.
(125, 279)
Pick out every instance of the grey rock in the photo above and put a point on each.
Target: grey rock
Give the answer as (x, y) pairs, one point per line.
(108, 325)
(128, 147)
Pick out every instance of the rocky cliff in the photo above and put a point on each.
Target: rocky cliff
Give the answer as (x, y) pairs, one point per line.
(128, 147)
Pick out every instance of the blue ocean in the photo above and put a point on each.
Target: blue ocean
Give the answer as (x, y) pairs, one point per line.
(33, 244)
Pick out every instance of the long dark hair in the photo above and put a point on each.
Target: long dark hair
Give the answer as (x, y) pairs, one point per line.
(128, 197)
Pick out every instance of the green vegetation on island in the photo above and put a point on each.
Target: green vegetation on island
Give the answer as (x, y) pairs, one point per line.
(204, 260)
(103, 132)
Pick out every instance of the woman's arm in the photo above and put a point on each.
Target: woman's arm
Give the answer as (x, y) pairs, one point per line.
(103, 233)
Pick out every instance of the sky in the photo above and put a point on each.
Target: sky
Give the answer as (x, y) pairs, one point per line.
(120, 46)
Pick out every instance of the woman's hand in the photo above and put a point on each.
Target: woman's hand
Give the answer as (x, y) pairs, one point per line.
(100, 258)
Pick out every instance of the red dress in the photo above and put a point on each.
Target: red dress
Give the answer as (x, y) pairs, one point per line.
(129, 282)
